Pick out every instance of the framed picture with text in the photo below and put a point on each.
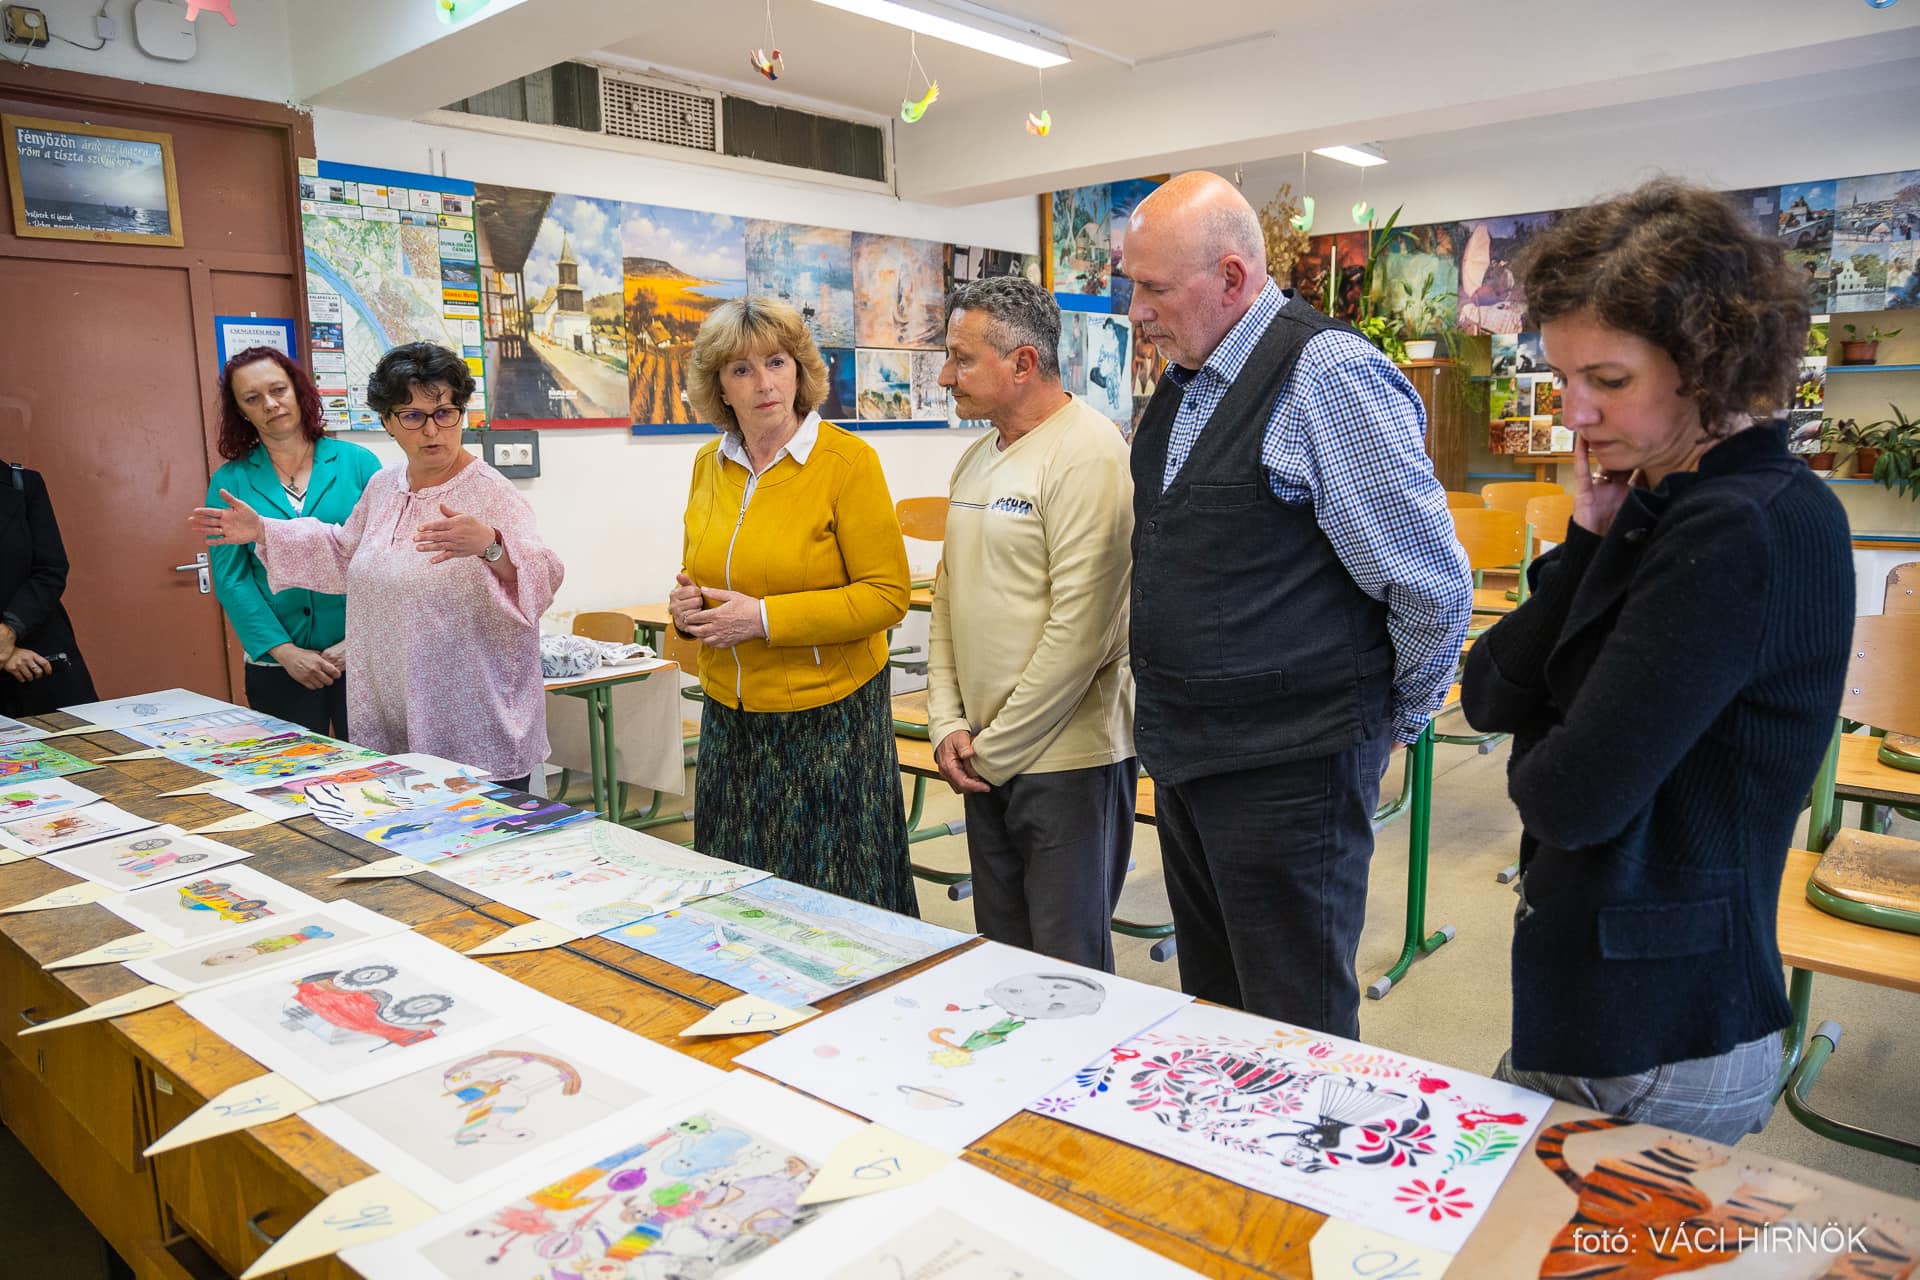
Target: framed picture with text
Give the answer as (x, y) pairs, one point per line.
(75, 181)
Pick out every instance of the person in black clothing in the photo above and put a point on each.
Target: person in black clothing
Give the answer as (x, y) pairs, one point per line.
(38, 653)
(1673, 681)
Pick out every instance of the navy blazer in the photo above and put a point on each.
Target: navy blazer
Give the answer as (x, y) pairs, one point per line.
(1671, 689)
(33, 576)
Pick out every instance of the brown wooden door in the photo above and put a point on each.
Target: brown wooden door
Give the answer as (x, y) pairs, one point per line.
(109, 376)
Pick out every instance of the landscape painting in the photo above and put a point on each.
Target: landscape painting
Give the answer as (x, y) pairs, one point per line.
(810, 268)
(678, 266)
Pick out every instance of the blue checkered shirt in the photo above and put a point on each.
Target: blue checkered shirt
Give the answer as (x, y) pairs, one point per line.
(1348, 438)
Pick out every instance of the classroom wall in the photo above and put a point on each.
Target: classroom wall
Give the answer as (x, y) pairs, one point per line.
(248, 60)
(608, 501)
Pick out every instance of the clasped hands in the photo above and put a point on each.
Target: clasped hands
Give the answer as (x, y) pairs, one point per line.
(732, 620)
(954, 758)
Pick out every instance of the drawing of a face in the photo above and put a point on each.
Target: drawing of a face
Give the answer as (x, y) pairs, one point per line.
(1047, 995)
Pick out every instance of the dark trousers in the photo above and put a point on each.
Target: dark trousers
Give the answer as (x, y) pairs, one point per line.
(272, 690)
(1267, 875)
(1049, 854)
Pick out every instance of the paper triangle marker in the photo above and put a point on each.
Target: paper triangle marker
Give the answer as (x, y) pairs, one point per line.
(744, 1015)
(536, 936)
(369, 1210)
(73, 895)
(140, 998)
(258, 1101)
(874, 1159)
(135, 946)
(396, 866)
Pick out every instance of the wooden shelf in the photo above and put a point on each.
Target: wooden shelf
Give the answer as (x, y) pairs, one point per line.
(1872, 368)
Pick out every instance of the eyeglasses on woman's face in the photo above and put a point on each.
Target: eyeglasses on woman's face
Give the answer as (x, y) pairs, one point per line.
(447, 415)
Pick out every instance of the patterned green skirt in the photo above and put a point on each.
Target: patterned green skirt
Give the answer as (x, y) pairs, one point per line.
(812, 796)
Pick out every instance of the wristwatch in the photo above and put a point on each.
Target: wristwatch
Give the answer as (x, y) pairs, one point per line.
(494, 549)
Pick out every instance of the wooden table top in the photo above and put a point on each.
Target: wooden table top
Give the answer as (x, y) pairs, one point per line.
(921, 598)
(1211, 1225)
(648, 615)
(1861, 776)
(1812, 939)
(607, 676)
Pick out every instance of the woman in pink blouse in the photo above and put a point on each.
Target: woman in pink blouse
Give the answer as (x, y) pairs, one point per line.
(445, 578)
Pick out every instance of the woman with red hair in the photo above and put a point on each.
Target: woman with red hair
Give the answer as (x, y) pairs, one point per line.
(283, 464)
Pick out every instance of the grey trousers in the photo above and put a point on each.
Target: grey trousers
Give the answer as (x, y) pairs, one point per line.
(1049, 854)
(1722, 1099)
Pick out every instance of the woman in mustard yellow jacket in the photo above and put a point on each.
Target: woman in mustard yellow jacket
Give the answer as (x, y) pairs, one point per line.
(794, 571)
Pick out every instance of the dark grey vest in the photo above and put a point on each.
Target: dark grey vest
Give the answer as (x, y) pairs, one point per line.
(1251, 644)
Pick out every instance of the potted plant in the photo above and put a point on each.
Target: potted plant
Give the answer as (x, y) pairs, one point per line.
(1422, 313)
(1855, 349)
(1822, 460)
(1898, 465)
(1857, 445)
(1383, 332)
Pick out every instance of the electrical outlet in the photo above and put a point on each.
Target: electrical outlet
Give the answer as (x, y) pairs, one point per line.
(25, 26)
(514, 455)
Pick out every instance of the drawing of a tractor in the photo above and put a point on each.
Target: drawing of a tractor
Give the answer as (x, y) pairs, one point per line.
(218, 896)
(342, 1003)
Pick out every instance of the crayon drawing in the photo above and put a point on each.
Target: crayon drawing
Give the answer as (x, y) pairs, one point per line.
(12, 730)
(35, 799)
(218, 904)
(211, 728)
(148, 857)
(299, 937)
(51, 831)
(465, 823)
(262, 760)
(36, 761)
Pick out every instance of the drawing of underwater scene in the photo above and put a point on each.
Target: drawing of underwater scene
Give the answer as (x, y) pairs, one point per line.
(694, 1186)
(1393, 1143)
(785, 942)
(465, 823)
(947, 1054)
(481, 1121)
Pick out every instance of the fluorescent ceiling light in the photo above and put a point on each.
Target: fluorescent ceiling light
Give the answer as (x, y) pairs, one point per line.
(966, 25)
(1362, 155)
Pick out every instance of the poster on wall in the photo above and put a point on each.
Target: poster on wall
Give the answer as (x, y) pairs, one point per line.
(71, 180)
(810, 268)
(550, 276)
(1490, 297)
(1806, 234)
(1122, 197)
(899, 292)
(234, 334)
(390, 259)
(1876, 220)
(678, 266)
(1079, 242)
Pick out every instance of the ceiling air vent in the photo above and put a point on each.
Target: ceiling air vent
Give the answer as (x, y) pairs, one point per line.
(674, 117)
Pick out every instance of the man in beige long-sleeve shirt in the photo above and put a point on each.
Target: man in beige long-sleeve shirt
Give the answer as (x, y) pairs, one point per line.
(1030, 696)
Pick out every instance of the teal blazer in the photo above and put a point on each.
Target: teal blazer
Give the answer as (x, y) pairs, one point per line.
(261, 618)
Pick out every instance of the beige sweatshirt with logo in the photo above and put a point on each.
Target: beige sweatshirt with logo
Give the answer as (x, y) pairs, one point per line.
(1029, 636)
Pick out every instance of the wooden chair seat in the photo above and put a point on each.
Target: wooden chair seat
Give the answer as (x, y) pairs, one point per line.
(910, 714)
(1873, 870)
(1492, 600)
(1813, 940)
(1864, 774)
(1900, 751)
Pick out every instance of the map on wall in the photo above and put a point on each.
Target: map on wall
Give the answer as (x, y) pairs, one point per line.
(390, 259)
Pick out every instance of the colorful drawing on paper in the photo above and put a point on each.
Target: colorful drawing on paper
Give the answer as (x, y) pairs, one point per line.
(50, 831)
(1805, 232)
(34, 761)
(260, 760)
(211, 729)
(810, 269)
(378, 788)
(1490, 298)
(1110, 368)
(465, 823)
(385, 253)
(1638, 1200)
(678, 265)
(300, 936)
(1081, 250)
(929, 397)
(703, 1196)
(217, 904)
(12, 731)
(945, 1246)
(36, 799)
(1400, 1145)
(147, 857)
(950, 1052)
(885, 383)
(785, 942)
(899, 292)
(594, 875)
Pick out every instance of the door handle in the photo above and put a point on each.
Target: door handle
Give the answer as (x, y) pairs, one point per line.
(198, 566)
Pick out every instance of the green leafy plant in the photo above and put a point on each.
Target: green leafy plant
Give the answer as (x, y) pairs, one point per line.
(1423, 312)
(1817, 336)
(1898, 439)
(1383, 332)
(1877, 335)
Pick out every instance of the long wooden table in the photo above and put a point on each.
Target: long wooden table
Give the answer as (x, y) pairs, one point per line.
(87, 1100)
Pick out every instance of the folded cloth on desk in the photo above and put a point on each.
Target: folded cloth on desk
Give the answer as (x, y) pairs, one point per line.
(562, 657)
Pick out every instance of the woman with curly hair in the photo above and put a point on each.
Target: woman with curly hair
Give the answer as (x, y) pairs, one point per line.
(281, 461)
(1672, 682)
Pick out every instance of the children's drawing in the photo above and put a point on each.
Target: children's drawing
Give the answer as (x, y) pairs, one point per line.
(594, 875)
(146, 708)
(785, 942)
(262, 760)
(360, 792)
(37, 799)
(296, 938)
(51, 832)
(474, 1123)
(216, 904)
(148, 857)
(480, 818)
(945, 1246)
(36, 762)
(211, 728)
(951, 1052)
(1400, 1145)
(1639, 1201)
(12, 731)
(365, 1014)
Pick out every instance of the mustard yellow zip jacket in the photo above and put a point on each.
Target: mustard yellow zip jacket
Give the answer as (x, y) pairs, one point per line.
(820, 544)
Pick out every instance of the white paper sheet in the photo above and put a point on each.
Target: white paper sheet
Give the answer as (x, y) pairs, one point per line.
(51, 832)
(340, 797)
(153, 856)
(369, 1013)
(696, 1186)
(956, 1049)
(594, 875)
(146, 708)
(36, 799)
(475, 1124)
(1404, 1146)
(210, 728)
(216, 905)
(12, 730)
(301, 938)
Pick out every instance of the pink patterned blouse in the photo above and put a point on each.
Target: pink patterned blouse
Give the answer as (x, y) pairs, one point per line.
(441, 658)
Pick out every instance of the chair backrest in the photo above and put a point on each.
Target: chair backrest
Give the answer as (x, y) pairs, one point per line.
(614, 628)
(686, 652)
(1490, 538)
(923, 518)
(1903, 589)
(1883, 674)
(1549, 517)
(1513, 495)
(1471, 501)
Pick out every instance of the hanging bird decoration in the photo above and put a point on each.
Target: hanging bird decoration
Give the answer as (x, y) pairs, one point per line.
(767, 64)
(1362, 212)
(222, 7)
(1303, 220)
(1040, 125)
(911, 110)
